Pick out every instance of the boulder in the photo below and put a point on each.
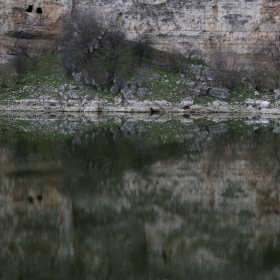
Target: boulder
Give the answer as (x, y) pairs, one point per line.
(219, 92)
(185, 104)
(249, 102)
(218, 103)
(62, 87)
(209, 75)
(114, 89)
(125, 90)
(53, 102)
(142, 91)
(196, 108)
(78, 77)
(129, 97)
(72, 94)
(277, 92)
(190, 84)
(117, 100)
(264, 104)
(92, 106)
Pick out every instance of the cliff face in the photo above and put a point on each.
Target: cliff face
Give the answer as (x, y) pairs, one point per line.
(33, 25)
(237, 26)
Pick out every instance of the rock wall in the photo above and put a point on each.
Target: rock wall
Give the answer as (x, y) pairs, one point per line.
(238, 26)
(241, 27)
(32, 24)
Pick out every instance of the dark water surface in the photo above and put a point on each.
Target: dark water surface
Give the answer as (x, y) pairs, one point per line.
(121, 198)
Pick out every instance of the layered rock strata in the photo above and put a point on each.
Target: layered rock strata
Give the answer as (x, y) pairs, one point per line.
(193, 27)
(32, 25)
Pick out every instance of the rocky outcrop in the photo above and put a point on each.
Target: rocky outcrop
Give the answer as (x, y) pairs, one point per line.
(48, 104)
(196, 26)
(33, 25)
(193, 27)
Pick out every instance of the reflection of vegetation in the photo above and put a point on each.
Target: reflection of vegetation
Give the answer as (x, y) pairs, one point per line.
(168, 218)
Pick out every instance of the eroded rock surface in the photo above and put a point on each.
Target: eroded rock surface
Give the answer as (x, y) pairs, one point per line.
(34, 24)
(238, 26)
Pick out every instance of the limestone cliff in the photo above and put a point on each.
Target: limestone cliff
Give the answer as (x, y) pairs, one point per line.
(239, 26)
(34, 24)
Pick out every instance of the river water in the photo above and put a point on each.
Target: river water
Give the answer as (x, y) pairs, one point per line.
(122, 197)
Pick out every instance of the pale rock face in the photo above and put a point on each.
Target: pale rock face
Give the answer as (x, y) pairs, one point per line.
(240, 27)
(237, 26)
(34, 23)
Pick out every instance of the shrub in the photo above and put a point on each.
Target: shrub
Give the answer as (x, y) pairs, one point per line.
(5, 75)
(174, 61)
(93, 46)
(227, 69)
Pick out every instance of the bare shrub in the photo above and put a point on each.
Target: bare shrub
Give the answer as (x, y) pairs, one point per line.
(258, 78)
(271, 50)
(227, 69)
(199, 56)
(119, 81)
(34, 61)
(20, 64)
(142, 48)
(193, 54)
(258, 74)
(5, 75)
(174, 61)
(20, 61)
(93, 46)
(143, 75)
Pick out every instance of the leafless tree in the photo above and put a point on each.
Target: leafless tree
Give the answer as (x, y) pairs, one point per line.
(142, 47)
(227, 68)
(174, 61)
(258, 75)
(194, 54)
(92, 45)
(5, 75)
(20, 59)
(271, 50)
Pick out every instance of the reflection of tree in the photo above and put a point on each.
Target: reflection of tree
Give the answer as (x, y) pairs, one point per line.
(141, 211)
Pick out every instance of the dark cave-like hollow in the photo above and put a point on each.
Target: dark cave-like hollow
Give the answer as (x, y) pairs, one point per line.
(29, 9)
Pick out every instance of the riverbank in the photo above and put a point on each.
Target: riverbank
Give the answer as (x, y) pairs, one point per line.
(186, 106)
(47, 88)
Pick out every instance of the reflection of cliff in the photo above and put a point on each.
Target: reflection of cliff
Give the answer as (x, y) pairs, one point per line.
(35, 218)
(113, 205)
(213, 209)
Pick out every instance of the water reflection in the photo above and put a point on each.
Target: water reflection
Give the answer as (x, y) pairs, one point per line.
(126, 202)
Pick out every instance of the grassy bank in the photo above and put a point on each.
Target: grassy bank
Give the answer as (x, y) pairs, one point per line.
(149, 81)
